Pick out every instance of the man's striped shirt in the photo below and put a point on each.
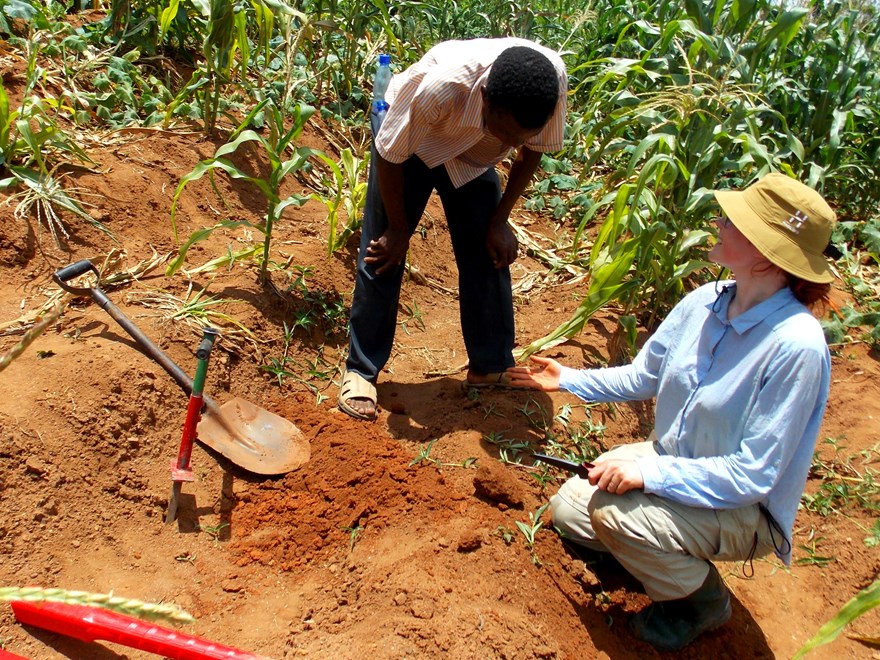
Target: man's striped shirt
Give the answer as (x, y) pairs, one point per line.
(436, 110)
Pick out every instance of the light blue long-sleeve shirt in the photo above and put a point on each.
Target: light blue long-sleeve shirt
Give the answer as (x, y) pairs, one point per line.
(738, 403)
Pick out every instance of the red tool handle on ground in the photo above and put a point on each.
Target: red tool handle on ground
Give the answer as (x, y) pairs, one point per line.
(6, 655)
(194, 408)
(93, 623)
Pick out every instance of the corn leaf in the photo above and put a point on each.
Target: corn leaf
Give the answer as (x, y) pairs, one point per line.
(865, 600)
(200, 235)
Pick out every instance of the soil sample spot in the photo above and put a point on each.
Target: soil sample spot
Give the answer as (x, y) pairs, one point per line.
(495, 484)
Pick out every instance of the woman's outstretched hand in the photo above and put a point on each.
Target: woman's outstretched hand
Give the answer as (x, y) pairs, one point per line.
(544, 376)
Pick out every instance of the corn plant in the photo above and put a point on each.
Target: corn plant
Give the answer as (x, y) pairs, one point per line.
(349, 192)
(276, 146)
(677, 105)
(148, 25)
(222, 41)
(32, 146)
(607, 282)
(11, 10)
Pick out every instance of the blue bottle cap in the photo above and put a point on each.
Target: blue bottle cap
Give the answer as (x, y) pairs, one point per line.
(384, 60)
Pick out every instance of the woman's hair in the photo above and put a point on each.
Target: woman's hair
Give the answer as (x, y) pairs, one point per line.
(815, 295)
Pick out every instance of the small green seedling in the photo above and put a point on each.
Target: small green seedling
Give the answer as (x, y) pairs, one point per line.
(414, 316)
(505, 534)
(536, 415)
(354, 533)
(509, 451)
(186, 557)
(530, 530)
(425, 455)
(813, 557)
(873, 538)
(214, 531)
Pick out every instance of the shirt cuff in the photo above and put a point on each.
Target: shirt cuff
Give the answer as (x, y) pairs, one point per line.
(652, 477)
(567, 378)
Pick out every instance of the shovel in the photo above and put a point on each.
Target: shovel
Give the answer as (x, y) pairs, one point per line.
(251, 437)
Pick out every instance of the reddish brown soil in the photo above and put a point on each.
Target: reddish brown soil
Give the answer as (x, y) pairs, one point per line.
(90, 425)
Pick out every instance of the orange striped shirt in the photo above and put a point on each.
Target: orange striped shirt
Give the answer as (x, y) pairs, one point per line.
(436, 110)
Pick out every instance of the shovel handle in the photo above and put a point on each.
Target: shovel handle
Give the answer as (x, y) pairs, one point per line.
(153, 352)
(73, 271)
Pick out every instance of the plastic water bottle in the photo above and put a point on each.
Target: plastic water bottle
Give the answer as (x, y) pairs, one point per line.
(380, 84)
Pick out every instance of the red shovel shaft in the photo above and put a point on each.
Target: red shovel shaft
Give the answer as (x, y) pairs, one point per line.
(6, 655)
(92, 623)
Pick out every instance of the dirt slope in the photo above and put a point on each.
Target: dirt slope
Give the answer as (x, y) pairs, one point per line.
(365, 550)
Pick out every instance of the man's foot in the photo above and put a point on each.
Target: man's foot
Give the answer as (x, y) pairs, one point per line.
(497, 379)
(673, 624)
(357, 396)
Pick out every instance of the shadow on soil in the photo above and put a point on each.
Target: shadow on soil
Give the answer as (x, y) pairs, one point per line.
(741, 637)
(416, 407)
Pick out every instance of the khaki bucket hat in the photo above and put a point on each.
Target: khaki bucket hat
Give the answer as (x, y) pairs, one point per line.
(787, 221)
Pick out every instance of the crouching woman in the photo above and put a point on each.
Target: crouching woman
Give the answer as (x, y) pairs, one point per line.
(740, 372)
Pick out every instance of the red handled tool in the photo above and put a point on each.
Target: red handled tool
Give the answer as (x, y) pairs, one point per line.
(89, 624)
(251, 437)
(180, 469)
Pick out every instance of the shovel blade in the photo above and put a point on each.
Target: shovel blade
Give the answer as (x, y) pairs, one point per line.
(254, 438)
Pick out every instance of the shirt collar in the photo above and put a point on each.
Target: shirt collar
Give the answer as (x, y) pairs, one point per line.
(751, 317)
(472, 116)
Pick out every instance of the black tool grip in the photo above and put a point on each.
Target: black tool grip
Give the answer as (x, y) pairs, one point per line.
(73, 271)
(204, 349)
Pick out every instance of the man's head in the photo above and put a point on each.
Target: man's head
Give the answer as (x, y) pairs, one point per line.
(520, 94)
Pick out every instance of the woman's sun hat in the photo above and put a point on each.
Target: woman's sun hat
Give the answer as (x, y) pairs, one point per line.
(789, 223)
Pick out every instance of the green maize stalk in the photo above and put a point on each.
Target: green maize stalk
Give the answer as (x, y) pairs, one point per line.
(30, 335)
(136, 608)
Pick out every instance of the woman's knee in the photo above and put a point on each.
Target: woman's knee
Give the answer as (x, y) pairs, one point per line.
(605, 512)
(570, 521)
(562, 513)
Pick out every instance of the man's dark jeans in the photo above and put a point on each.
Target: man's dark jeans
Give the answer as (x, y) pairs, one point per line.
(485, 298)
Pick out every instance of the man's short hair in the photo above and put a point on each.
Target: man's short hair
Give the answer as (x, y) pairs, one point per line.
(525, 83)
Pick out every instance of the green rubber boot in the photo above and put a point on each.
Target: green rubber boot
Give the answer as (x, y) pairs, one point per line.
(673, 624)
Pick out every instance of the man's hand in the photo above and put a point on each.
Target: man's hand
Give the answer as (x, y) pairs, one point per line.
(388, 251)
(616, 475)
(544, 377)
(501, 244)
(500, 240)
